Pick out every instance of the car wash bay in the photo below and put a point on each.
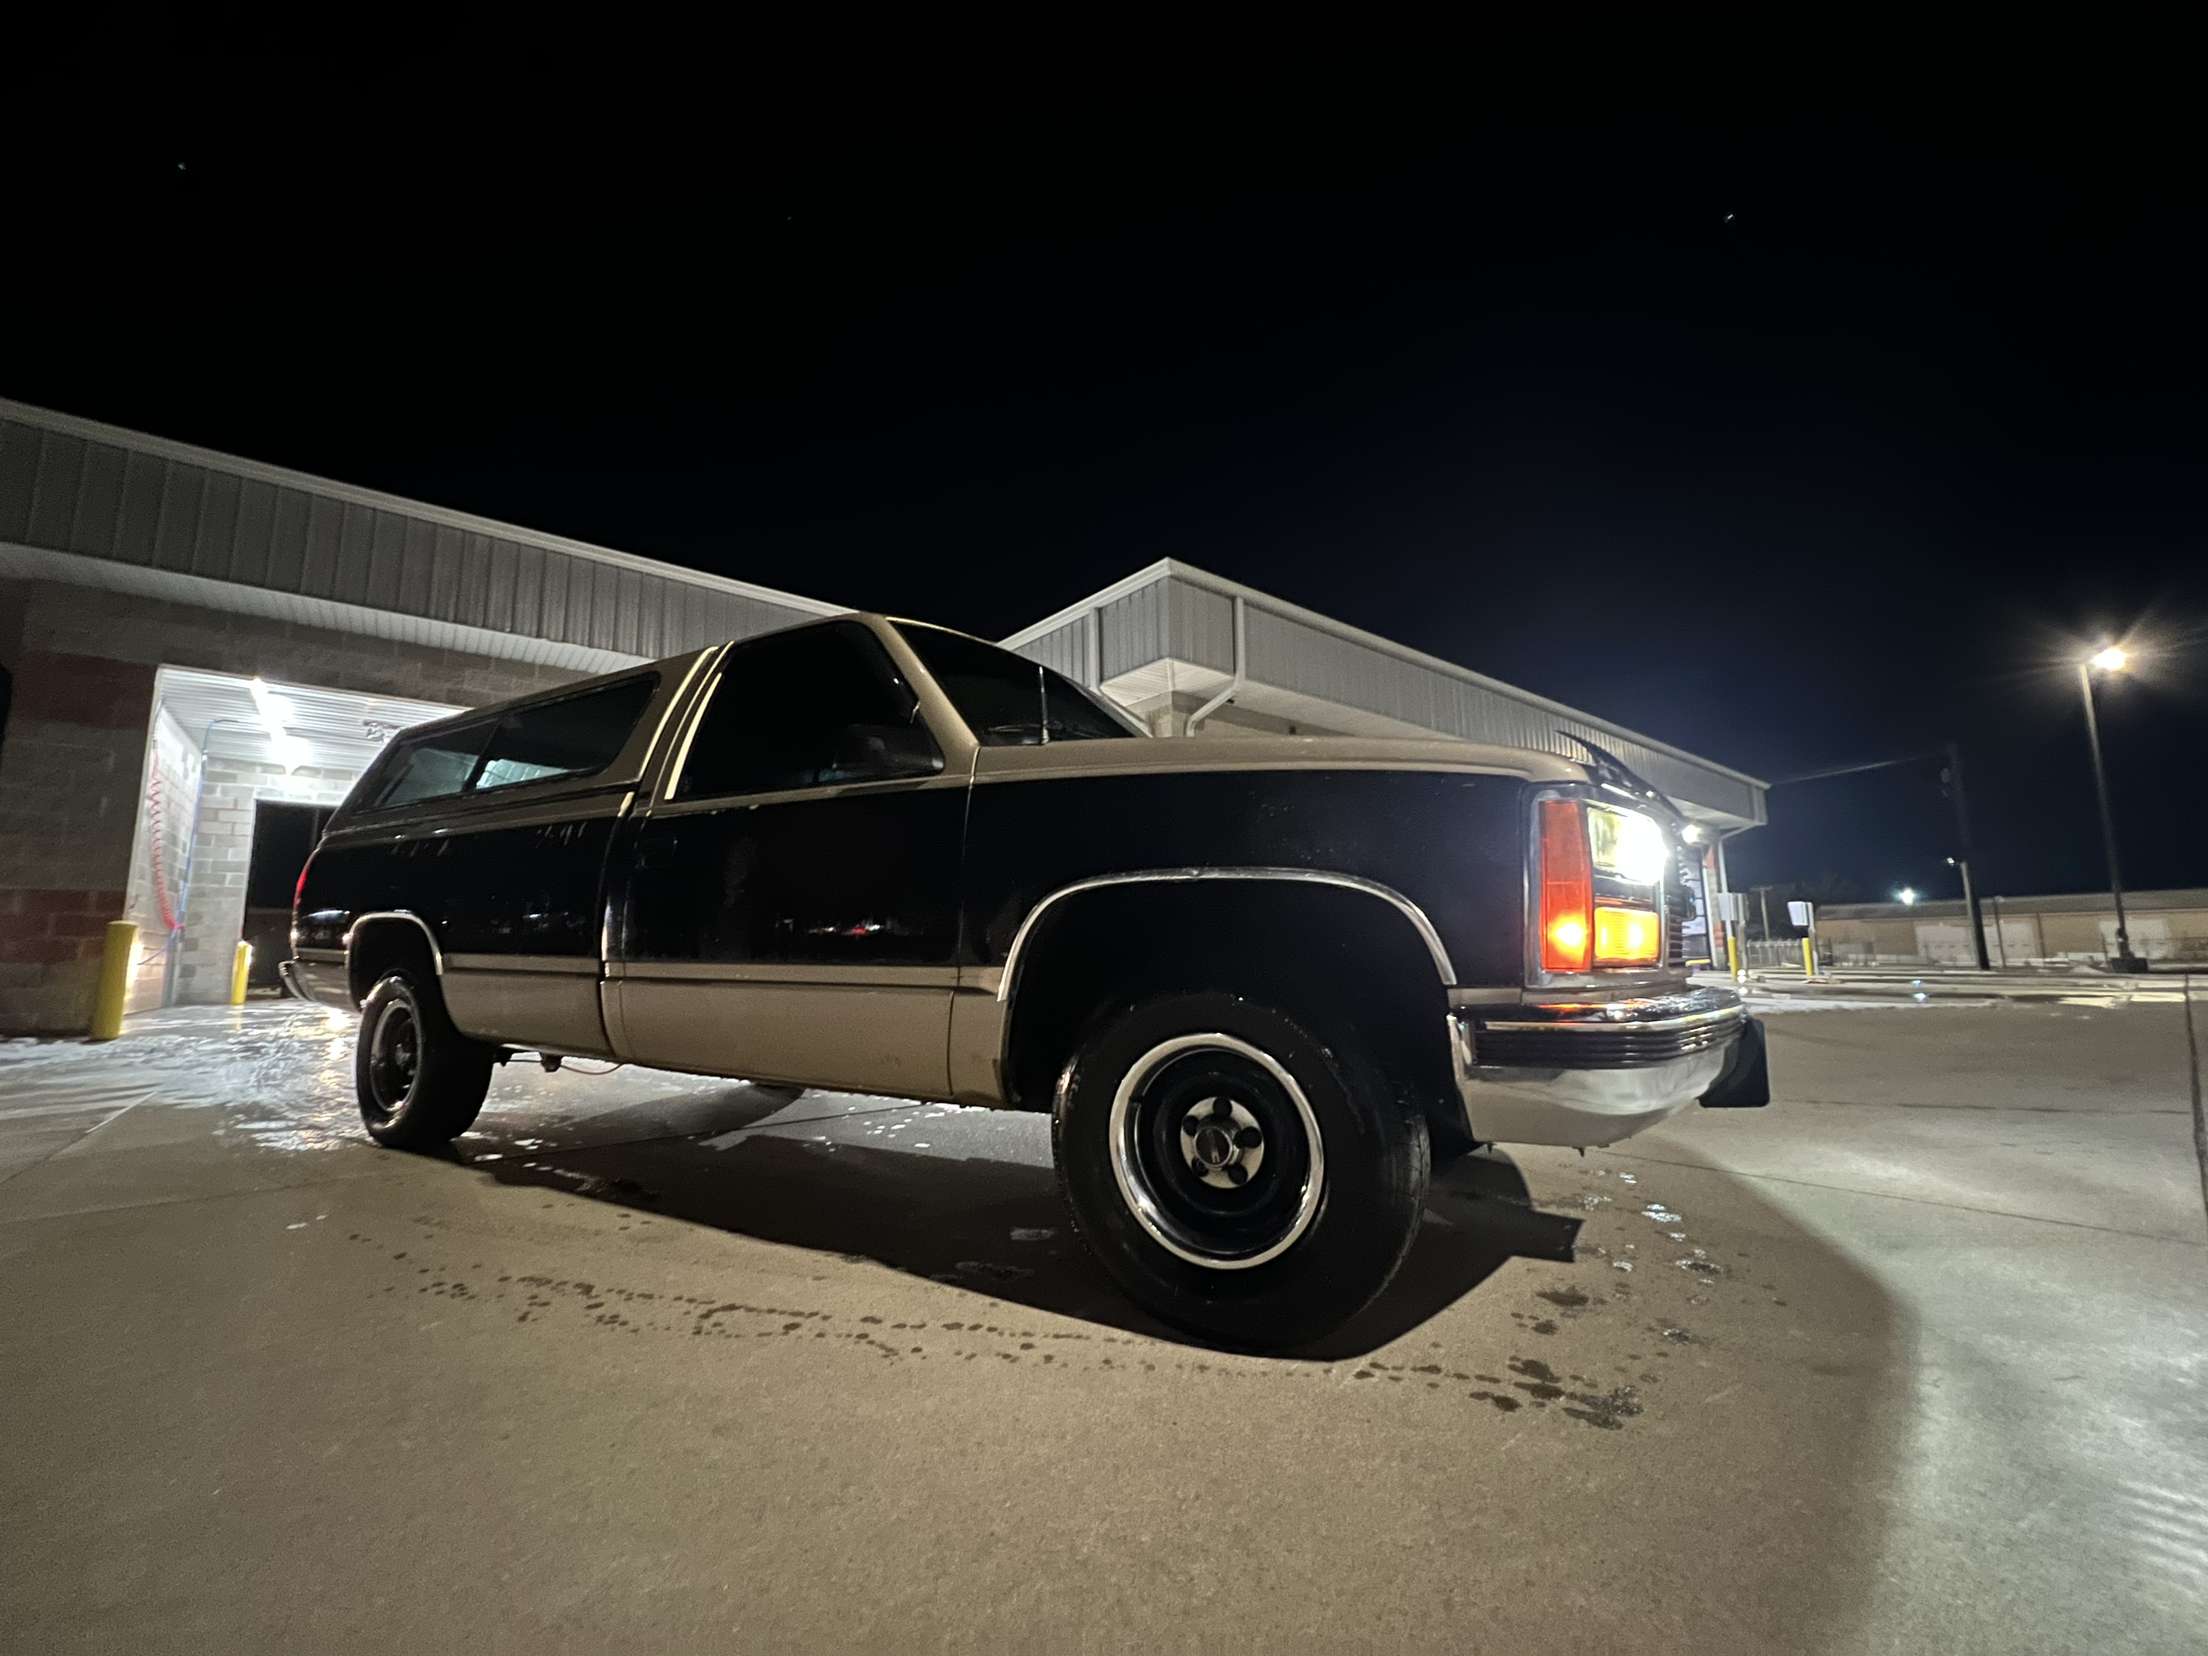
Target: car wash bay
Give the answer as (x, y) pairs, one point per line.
(239, 776)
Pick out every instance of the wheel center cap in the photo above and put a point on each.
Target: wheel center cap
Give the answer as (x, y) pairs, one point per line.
(1222, 1143)
(1214, 1145)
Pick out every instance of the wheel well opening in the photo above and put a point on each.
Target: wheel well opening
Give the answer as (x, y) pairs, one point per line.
(1341, 961)
(380, 946)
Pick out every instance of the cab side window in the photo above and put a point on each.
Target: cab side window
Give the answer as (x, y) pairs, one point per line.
(801, 709)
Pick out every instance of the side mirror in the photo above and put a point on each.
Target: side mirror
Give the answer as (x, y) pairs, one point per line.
(871, 753)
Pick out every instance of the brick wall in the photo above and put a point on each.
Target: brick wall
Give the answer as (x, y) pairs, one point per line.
(160, 855)
(73, 760)
(222, 851)
(70, 767)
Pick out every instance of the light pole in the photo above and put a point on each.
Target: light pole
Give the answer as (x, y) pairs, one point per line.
(2109, 659)
(1951, 776)
(1970, 909)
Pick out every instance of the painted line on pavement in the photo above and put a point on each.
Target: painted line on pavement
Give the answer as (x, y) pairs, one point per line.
(1897, 1196)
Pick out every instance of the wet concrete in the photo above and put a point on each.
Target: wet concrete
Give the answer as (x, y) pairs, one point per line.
(1913, 1360)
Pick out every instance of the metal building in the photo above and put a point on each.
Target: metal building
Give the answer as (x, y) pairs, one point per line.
(1180, 646)
(199, 652)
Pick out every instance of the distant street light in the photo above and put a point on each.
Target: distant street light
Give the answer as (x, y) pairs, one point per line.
(1906, 896)
(2109, 658)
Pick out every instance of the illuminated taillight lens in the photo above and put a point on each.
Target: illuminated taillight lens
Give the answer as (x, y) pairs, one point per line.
(1627, 937)
(1567, 887)
(300, 890)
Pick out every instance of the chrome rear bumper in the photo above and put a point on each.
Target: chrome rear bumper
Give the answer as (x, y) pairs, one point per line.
(1585, 1074)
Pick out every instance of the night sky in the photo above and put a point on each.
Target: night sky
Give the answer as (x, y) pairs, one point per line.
(1795, 440)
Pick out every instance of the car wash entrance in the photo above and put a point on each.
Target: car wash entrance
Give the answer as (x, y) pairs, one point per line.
(240, 776)
(284, 836)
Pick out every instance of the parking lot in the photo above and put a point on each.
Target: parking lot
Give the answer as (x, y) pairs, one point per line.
(1913, 1360)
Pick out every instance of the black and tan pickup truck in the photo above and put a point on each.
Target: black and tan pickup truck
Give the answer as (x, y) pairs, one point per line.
(1259, 983)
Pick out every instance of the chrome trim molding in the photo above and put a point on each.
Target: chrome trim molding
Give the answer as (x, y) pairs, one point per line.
(790, 796)
(1349, 882)
(1149, 763)
(325, 957)
(1612, 1024)
(436, 954)
(576, 965)
(822, 976)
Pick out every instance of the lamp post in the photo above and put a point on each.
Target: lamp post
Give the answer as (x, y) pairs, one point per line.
(1970, 910)
(1951, 777)
(2109, 659)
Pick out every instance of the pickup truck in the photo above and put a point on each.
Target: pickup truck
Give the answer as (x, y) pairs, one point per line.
(1260, 983)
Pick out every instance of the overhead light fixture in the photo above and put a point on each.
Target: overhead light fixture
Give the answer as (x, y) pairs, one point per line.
(2111, 658)
(1907, 896)
(290, 751)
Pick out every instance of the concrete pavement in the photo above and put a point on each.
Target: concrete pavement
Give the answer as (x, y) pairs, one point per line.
(1913, 1360)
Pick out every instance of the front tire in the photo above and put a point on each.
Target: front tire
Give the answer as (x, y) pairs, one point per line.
(421, 1082)
(1239, 1176)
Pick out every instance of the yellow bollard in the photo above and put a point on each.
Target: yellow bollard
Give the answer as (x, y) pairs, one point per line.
(1732, 951)
(115, 958)
(241, 965)
(1809, 960)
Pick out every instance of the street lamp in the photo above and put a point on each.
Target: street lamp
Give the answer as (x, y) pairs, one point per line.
(1906, 896)
(2109, 658)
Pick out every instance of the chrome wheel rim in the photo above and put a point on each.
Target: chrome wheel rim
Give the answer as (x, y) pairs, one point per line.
(1216, 1151)
(394, 1056)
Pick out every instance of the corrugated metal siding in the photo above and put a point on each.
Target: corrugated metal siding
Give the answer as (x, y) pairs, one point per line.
(1203, 625)
(1063, 650)
(1134, 629)
(66, 493)
(1295, 656)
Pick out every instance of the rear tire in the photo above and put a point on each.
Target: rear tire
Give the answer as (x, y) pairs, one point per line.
(420, 1081)
(1237, 1175)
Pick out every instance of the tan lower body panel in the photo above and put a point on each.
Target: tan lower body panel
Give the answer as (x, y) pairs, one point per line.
(977, 1047)
(872, 1038)
(554, 1008)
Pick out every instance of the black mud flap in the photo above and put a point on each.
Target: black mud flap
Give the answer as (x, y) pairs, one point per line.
(1745, 1081)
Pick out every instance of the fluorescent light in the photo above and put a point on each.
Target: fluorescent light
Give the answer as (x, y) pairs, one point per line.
(290, 751)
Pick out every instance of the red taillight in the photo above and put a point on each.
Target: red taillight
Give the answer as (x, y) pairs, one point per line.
(1567, 887)
(300, 890)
